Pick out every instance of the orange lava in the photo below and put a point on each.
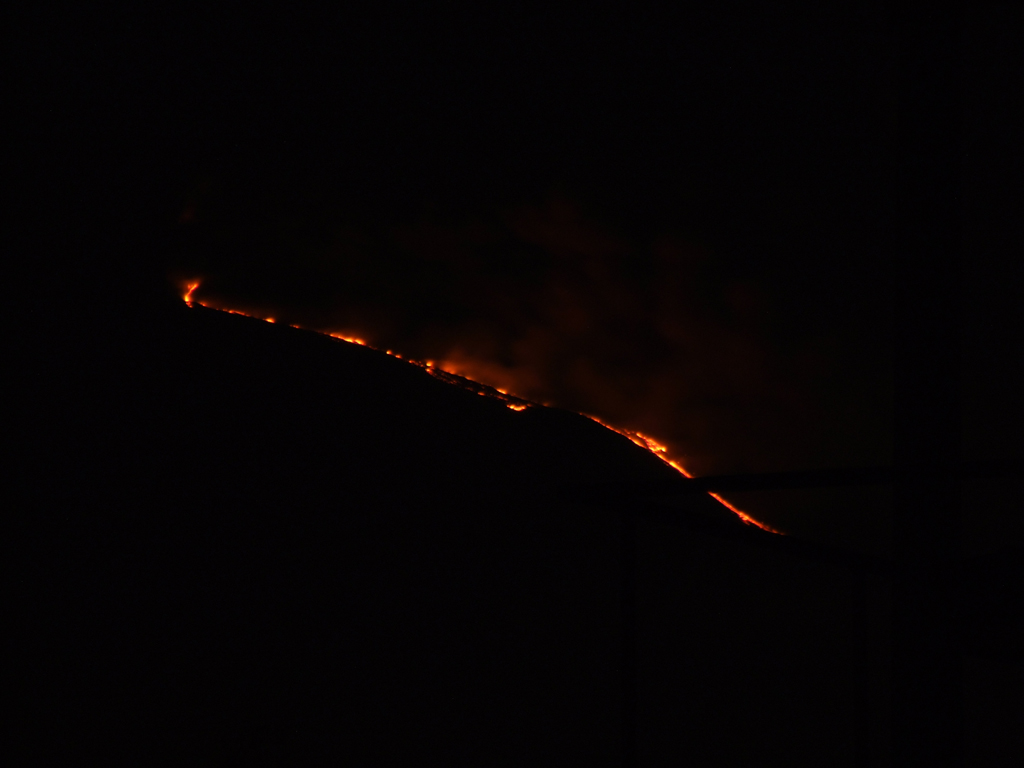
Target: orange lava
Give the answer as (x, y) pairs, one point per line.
(349, 339)
(661, 452)
(510, 401)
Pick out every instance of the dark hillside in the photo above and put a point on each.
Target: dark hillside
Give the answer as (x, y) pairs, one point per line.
(261, 541)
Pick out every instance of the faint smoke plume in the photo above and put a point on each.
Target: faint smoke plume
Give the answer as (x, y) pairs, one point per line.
(544, 301)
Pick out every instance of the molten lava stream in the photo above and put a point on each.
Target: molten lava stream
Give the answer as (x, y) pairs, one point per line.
(510, 401)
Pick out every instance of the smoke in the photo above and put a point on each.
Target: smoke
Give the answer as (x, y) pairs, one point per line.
(546, 300)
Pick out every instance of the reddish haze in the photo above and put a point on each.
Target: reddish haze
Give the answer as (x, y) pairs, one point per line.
(545, 302)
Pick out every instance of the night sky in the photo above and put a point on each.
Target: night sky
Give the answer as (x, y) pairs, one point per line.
(681, 226)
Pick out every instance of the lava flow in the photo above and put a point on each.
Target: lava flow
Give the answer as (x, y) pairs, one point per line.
(510, 401)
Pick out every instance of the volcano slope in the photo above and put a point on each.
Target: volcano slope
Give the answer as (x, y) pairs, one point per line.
(258, 544)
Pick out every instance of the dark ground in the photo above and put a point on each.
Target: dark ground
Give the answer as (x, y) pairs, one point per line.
(268, 544)
(255, 544)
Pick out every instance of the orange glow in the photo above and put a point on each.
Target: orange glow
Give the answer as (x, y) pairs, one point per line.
(743, 515)
(511, 401)
(349, 339)
(661, 452)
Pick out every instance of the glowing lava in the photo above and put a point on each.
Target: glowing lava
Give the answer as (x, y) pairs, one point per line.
(661, 452)
(510, 401)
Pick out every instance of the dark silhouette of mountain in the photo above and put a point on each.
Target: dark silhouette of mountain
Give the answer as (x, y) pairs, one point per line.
(253, 543)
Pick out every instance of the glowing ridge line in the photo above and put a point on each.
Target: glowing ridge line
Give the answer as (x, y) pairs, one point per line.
(510, 401)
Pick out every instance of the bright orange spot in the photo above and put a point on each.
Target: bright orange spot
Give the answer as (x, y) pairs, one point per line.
(350, 339)
(188, 293)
